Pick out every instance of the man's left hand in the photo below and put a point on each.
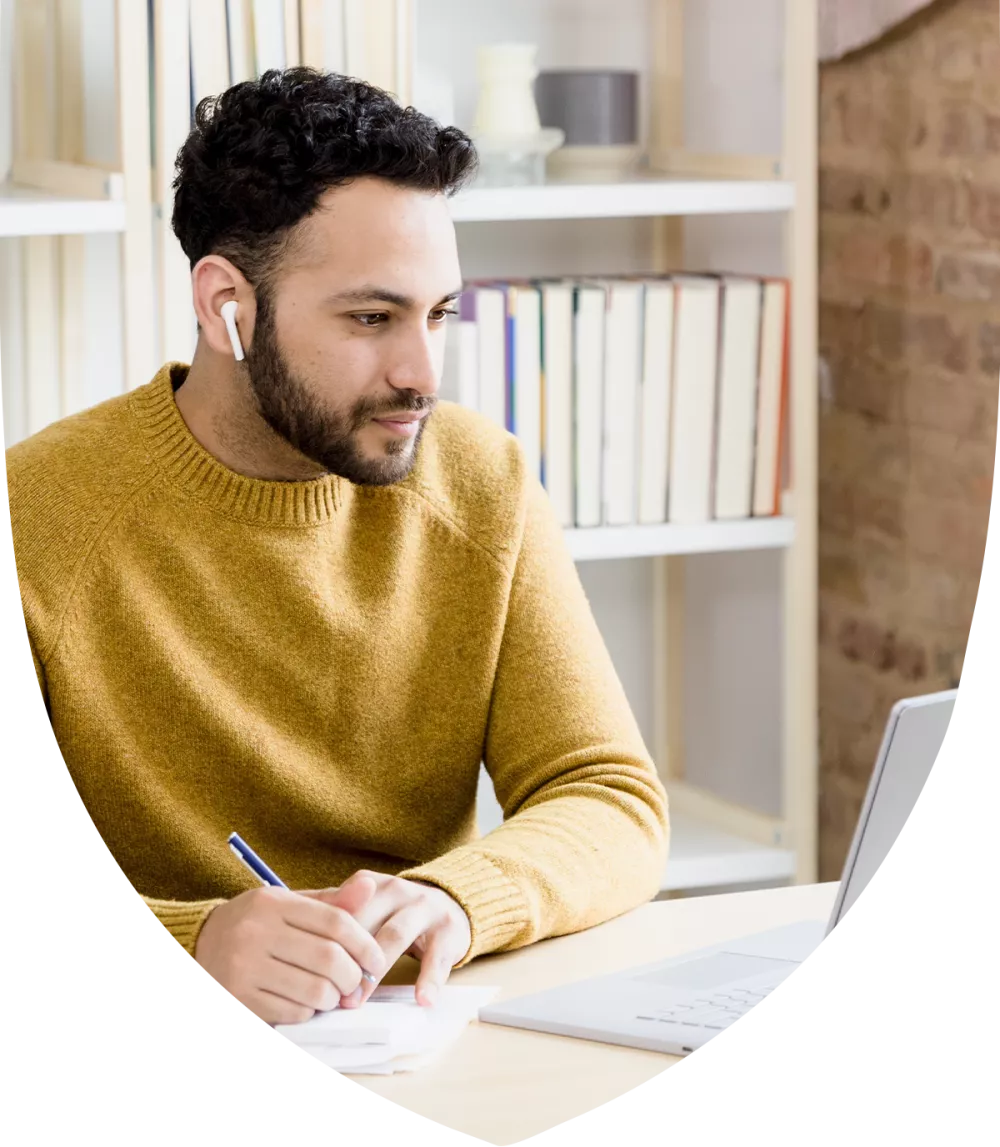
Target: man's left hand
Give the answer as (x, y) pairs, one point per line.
(408, 918)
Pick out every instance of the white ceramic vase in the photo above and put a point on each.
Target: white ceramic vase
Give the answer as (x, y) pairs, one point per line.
(506, 105)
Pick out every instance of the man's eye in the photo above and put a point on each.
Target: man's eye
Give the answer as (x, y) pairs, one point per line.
(372, 320)
(442, 313)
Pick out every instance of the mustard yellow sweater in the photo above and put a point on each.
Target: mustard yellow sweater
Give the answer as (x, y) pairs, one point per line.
(321, 667)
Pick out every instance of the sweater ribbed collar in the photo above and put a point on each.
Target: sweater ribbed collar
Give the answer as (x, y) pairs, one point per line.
(190, 466)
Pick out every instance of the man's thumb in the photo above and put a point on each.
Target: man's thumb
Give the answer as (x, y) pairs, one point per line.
(353, 895)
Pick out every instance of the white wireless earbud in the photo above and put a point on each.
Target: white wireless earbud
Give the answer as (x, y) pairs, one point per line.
(228, 313)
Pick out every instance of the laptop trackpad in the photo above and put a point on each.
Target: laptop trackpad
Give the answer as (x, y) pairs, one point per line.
(712, 971)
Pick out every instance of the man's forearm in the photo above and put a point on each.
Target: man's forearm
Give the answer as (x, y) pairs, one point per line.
(585, 849)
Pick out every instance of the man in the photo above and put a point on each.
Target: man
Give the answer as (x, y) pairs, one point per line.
(292, 596)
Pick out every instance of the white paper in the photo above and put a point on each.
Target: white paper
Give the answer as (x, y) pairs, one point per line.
(391, 1032)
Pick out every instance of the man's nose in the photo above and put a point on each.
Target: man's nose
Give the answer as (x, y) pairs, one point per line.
(418, 367)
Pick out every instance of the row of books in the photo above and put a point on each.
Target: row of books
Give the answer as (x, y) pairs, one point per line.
(636, 400)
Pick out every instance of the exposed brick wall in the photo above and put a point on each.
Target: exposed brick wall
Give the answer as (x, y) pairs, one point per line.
(910, 348)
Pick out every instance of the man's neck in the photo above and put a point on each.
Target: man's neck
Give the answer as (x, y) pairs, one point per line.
(218, 408)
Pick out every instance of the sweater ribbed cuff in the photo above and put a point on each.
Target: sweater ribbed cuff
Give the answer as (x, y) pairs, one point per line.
(183, 919)
(494, 904)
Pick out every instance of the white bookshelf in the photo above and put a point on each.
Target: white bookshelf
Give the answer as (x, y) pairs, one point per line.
(700, 538)
(27, 211)
(716, 839)
(634, 198)
(702, 856)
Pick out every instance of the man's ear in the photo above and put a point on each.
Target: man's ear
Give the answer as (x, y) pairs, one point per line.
(214, 281)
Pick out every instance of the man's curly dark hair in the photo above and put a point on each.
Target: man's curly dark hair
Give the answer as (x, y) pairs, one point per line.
(261, 154)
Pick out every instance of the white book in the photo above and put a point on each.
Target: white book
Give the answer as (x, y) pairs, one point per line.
(693, 416)
(739, 350)
(557, 397)
(468, 351)
(622, 364)
(209, 48)
(269, 34)
(770, 393)
(334, 44)
(525, 309)
(491, 321)
(241, 51)
(654, 402)
(588, 401)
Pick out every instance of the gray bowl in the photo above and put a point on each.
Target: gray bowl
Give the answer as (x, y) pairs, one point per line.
(593, 108)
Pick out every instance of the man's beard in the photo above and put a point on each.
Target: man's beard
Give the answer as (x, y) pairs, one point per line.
(327, 437)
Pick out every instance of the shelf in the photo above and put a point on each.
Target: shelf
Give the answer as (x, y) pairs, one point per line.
(629, 199)
(26, 211)
(702, 538)
(705, 857)
(701, 856)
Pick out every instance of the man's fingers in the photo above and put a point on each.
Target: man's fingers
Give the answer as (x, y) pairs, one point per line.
(312, 953)
(435, 965)
(394, 937)
(331, 923)
(356, 893)
(299, 986)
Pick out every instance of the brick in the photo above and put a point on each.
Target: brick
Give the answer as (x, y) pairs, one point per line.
(851, 692)
(840, 575)
(936, 526)
(927, 200)
(953, 404)
(841, 330)
(846, 192)
(850, 116)
(962, 130)
(840, 801)
(931, 339)
(984, 211)
(863, 450)
(879, 511)
(945, 465)
(866, 387)
(835, 506)
(972, 276)
(901, 114)
(882, 260)
(956, 58)
(989, 348)
(938, 594)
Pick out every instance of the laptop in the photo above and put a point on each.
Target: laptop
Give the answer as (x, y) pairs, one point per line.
(678, 1005)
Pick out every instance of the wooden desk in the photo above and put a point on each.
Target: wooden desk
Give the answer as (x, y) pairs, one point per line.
(504, 1085)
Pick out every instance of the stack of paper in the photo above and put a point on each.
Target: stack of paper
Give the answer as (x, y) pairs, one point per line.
(391, 1032)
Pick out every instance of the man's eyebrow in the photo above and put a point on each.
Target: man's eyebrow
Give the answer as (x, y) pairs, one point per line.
(374, 294)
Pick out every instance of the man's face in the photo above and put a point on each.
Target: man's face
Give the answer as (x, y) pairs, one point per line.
(346, 357)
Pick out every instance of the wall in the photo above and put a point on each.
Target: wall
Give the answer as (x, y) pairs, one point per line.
(910, 347)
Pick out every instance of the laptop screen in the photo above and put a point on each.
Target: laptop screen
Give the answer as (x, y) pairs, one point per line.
(913, 736)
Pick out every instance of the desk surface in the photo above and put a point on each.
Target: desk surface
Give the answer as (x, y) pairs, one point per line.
(504, 1085)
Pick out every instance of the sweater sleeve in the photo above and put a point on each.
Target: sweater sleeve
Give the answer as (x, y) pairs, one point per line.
(585, 827)
(183, 919)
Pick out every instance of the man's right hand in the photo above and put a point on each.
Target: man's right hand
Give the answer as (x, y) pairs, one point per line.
(287, 956)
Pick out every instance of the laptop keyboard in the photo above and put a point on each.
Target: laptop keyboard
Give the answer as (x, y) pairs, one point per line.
(715, 1011)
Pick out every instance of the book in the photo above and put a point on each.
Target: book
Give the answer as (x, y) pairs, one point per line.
(525, 374)
(739, 351)
(772, 388)
(557, 397)
(209, 48)
(654, 401)
(242, 61)
(467, 338)
(588, 401)
(696, 333)
(491, 323)
(269, 34)
(622, 366)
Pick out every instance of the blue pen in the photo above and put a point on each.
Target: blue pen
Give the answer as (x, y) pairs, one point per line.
(265, 875)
